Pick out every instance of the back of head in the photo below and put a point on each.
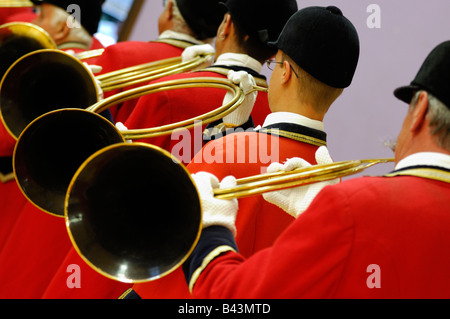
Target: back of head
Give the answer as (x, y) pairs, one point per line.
(324, 43)
(260, 22)
(89, 15)
(434, 78)
(202, 16)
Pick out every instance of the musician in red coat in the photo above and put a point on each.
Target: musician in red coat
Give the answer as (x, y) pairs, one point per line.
(33, 243)
(370, 237)
(290, 131)
(173, 286)
(240, 46)
(181, 24)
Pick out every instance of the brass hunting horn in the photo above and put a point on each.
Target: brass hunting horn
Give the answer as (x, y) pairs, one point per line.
(53, 146)
(15, 3)
(18, 39)
(133, 213)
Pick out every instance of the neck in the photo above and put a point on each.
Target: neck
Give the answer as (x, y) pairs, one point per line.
(421, 143)
(229, 47)
(289, 102)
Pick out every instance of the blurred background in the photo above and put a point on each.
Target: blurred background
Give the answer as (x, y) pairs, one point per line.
(395, 36)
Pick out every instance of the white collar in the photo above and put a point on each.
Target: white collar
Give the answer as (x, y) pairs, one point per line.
(169, 34)
(294, 118)
(238, 59)
(425, 159)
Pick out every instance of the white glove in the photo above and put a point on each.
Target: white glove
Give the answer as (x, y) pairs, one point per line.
(216, 211)
(295, 201)
(192, 52)
(241, 115)
(122, 129)
(96, 69)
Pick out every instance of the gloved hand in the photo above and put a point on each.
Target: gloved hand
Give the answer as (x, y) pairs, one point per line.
(122, 129)
(295, 201)
(192, 52)
(216, 211)
(96, 69)
(241, 115)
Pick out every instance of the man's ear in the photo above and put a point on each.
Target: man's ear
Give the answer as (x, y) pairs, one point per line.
(286, 74)
(419, 112)
(170, 10)
(62, 31)
(225, 27)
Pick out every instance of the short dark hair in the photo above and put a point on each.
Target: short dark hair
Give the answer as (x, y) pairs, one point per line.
(252, 46)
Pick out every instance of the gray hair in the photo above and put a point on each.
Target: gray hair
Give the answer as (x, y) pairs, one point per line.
(439, 117)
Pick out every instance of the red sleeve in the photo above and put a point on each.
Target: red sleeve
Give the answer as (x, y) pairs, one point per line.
(306, 262)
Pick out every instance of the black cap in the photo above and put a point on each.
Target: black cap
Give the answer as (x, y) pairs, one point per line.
(202, 16)
(433, 77)
(262, 19)
(91, 11)
(322, 42)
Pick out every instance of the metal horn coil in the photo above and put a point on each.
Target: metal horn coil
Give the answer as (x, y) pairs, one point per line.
(54, 145)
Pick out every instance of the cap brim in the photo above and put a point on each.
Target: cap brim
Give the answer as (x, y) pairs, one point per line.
(224, 5)
(405, 93)
(273, 44)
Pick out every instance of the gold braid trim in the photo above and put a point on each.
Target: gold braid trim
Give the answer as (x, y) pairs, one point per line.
(6, 178)
(295, 136)
(430, 173)
(210, 257)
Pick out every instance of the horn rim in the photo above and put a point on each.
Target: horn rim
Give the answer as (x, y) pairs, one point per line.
(18, 144)
(35, 54)
(98, 268)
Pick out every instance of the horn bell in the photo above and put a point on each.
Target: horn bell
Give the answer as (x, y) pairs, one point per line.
(122, 218)
(20, 38)
(52, 148)
(41, 82)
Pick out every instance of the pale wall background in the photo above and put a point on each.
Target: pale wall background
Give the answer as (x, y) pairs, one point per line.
(367, 114)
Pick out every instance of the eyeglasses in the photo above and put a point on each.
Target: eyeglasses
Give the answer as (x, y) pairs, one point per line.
(271, 66)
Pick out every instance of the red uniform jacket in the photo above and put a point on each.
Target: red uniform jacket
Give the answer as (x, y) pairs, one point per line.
(371, 237)
(33, 243)
(173, 106)
(92, 284)
(259, 223)
(11, 199)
